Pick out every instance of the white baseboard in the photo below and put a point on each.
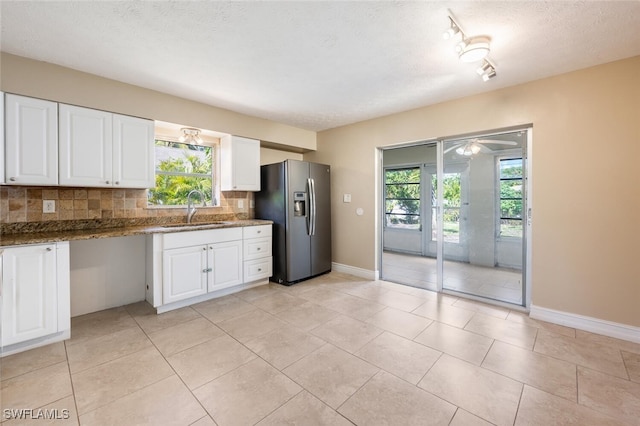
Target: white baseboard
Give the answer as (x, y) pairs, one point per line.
(581, 322)
(352, 270)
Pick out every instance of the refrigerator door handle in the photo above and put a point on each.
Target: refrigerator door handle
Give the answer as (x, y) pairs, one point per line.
(309, 213)
(312, 201)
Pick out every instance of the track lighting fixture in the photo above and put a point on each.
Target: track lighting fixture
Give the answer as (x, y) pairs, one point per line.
(190, 135)
(488, 76)
(487, 70)
(475, 49)
(451, 31)
(471, 49)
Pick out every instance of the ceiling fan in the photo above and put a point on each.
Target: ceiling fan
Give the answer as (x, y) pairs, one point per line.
(473, 146)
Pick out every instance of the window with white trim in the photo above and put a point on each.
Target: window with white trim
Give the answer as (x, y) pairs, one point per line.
(510, 193)
(181, 168)
(402, 197)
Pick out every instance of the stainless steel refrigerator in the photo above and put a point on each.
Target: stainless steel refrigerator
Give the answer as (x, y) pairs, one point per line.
(296, 196)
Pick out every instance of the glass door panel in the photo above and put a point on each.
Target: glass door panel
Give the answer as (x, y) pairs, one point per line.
(483, 201)
(408, 216)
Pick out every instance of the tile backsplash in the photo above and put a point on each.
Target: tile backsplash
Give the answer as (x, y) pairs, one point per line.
(24, 204)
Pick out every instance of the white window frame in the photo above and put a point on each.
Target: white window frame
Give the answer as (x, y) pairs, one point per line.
(498, 214)
(215, 166)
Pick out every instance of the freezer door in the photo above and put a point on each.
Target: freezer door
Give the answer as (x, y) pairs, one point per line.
(320, 175)
(298, 245)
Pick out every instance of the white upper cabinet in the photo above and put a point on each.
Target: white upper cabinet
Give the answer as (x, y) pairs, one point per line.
(133, 152)
(102, 149)
(1, 138)
(31, 141)
(86, 147)
(239, 164)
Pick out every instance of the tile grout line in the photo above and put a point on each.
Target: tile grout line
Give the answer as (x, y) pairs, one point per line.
(73, 391)
(175, 373)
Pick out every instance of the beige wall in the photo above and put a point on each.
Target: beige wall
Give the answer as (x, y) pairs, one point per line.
(47, 81)
(586, 181)
(270, 156)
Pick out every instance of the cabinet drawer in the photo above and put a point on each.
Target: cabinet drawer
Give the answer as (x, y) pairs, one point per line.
(194, 238)
(257, 248)
(256, 231)
(257, 269)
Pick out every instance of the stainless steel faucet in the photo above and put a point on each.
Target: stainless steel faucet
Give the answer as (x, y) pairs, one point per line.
(191, 209)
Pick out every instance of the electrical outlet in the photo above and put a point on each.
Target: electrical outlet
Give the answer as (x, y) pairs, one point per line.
(252, 204)
(48, 206)
(241, 204)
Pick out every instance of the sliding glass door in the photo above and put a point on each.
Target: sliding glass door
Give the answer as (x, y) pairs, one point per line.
(455, 220)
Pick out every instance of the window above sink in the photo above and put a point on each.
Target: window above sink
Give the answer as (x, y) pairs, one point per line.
(182, 166)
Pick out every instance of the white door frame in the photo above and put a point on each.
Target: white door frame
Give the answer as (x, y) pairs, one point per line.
(528, 208)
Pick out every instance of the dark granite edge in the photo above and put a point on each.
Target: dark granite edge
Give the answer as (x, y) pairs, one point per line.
(99, 224)
(119, 231)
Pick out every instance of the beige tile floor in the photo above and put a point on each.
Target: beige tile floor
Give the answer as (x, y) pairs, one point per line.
(335, 350)
(501, 284)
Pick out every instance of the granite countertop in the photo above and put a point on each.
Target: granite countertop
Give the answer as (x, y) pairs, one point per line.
(50, 234)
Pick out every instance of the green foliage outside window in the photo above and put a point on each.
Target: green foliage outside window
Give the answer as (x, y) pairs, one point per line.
(451, 194)
(402, 198)
(511, 183)
(181, 168)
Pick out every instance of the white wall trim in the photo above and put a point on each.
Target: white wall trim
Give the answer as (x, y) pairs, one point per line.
(581, 322)
(352, 270)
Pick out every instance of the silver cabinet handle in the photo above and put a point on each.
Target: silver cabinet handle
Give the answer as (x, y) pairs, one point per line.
(12, 179)
(204, 248)
(48, 248)
(259, 232)
(258, 249)
(117, 183)
(207, 270)
(107, 182)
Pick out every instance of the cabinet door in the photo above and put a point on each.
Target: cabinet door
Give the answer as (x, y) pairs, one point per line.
(184, 273)
(85, 146)
(240, 164)
(29, 293)
(225, 260)
(31, 127)
(133, 152)
(1, 137)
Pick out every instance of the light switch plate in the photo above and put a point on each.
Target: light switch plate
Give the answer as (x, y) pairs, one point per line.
(48, 206)
(346, 198)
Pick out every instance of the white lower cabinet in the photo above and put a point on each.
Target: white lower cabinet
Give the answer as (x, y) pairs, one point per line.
(225, 263)
(35, 295)
(188, 267)
(184, 273)
(258, 263)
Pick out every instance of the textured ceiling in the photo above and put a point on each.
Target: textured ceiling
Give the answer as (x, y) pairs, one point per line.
(317, 65)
